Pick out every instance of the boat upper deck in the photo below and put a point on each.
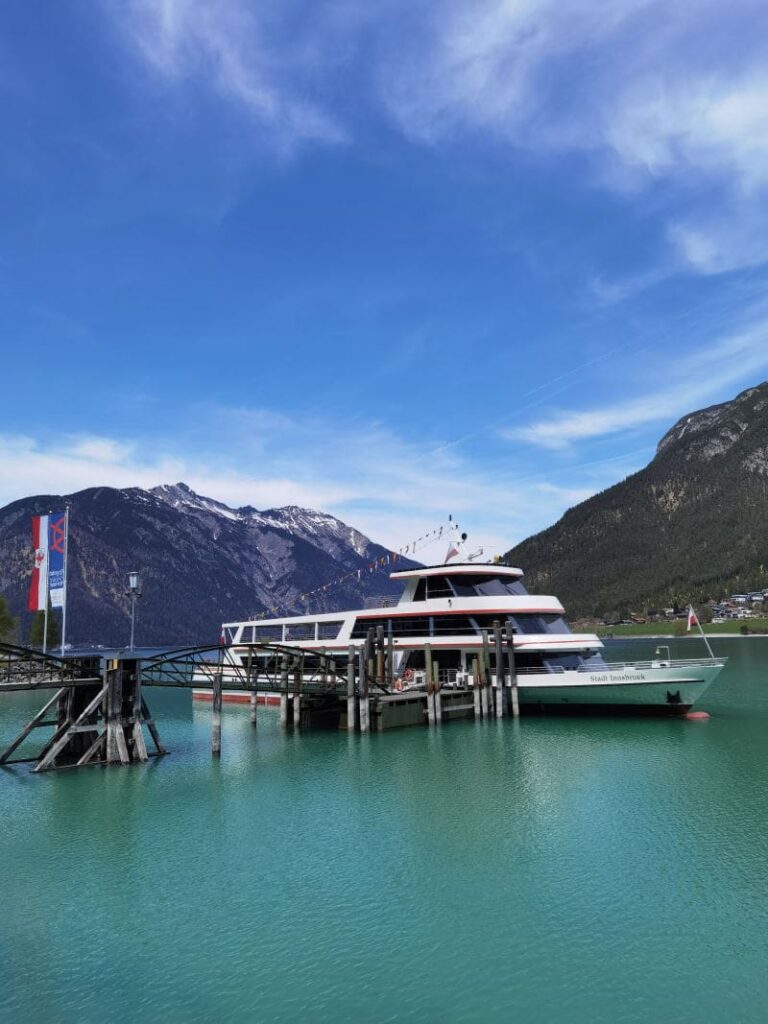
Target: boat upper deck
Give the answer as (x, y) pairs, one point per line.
(490, 569)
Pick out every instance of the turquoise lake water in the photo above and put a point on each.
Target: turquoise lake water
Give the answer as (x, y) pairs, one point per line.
(541, 870)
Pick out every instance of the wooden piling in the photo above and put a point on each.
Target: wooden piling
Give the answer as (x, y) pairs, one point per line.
(476, 689)
(365, 708)
(249, 683)
(484, 674)
(437, 696)
(285, 704)
(137, 732)
(298, 673)
(216, 714)
(390, 657)
(513, 693)
(351, 700)
(380, 682)
(117, 749)
(430, 685)
(501, 690)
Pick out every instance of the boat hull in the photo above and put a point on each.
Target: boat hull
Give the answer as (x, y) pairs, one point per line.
(627, 690)
(663, 690)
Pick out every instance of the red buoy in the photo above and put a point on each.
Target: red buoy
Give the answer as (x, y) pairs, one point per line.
(697, 716)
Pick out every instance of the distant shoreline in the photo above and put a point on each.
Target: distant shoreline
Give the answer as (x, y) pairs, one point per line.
(752, 635)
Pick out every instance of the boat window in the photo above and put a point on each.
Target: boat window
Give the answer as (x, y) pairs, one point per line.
(563, 662)
(438, 586)
(300, 631)
(246, 636)
(453, 625)
(483, 585)
(361, 627)
(421, 591)
(328, 630)
(525, 622)
(268, 633)
(410, 625)
(528, 660)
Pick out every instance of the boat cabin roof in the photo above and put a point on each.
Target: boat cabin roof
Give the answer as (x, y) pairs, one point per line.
(458, 569)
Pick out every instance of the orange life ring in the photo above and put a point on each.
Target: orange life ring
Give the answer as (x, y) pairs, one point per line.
(408, 674)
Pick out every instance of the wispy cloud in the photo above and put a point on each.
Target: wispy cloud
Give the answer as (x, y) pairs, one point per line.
(639, 85)
(649, 90)
(244, 52)
(692, 382)
(365, 473)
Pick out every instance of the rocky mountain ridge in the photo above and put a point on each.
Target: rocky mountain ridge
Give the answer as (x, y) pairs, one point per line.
(202, 562)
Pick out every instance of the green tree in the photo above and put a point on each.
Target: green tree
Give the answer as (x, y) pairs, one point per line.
(36, 629)
(8, 624)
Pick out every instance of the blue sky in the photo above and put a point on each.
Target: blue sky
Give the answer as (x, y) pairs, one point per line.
(391, 261)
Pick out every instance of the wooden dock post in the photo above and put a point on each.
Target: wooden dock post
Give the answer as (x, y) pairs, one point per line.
(437, 696)
(117, 749)
(249, 683)
(285, 706)
(298, 673)
(484, 666)
(351, 700)
(365, 707)
(380, 663)
(390, 657)
(501, 689)
(514, 696)
(137, 733)
(216, 714)
(430, 685)
(476, 688)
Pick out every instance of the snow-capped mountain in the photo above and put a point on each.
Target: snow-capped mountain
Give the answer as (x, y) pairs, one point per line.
(202, 562)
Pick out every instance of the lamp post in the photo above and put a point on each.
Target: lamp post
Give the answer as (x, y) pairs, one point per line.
(134, 592)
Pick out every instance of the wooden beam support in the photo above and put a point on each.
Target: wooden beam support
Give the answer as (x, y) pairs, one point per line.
(36, 723)
(62, 741)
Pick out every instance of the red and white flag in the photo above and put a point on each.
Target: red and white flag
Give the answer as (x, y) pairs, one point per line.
(38, 588)
(692, 620)
(452, 552)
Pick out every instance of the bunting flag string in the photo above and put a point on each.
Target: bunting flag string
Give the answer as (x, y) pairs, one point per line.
(389, 558)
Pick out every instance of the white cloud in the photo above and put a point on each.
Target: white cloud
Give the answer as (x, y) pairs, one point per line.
(365, 474)
(726, 240)
(650, 89)
(732, 360)
(236, 49)
(637, 84)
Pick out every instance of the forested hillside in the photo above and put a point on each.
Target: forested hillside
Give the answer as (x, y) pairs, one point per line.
(692, 525)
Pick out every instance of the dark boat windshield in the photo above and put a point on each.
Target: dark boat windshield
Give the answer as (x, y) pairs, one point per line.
(484, 585)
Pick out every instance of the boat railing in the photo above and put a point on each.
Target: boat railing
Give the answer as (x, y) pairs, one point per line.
(618, 666)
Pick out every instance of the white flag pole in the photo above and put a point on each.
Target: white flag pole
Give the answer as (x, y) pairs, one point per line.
(47, 578)
(64, 590)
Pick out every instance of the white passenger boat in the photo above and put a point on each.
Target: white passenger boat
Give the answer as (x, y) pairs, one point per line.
(449, 607)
